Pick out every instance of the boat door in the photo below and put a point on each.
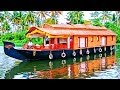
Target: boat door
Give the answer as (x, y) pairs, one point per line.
(82, 42)
(103, 41)
(71, 42)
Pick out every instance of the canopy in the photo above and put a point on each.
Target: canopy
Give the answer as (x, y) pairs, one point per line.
(63, 31)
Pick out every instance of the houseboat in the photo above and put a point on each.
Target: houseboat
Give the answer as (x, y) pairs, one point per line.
(64, 41)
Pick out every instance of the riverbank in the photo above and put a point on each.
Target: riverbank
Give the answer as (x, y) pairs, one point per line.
(16, 44)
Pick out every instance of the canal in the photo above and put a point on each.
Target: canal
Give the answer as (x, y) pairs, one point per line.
(98, 66)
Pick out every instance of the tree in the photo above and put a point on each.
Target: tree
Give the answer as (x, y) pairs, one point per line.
(95, 14)
(16, 19)
(106, 16)
(117, 13)
(5, 26)
(42, 16)
(96, 22)
(1, 17)
(50, 21)
(114, 18)
(1, 20)
(75, 17)
(54, 15)
(114, 28)
(30, 19)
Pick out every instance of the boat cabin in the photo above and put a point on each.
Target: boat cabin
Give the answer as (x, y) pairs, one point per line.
(77, 36)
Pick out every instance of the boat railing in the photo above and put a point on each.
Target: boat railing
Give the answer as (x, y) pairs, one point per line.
(50, 47)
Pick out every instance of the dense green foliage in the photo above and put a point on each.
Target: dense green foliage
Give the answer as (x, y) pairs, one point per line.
(37, 40)
(96, 22)
(114, 28)
(14, 26)
(17, 37)
(75, 17)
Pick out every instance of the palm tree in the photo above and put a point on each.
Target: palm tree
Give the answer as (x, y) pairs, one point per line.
(42, 16)
(30, 18)
(75, 17)
(5, 26)
(5, 20)
(16, 19)
(23, 22)
(114, 17)
(106, 15)
(1, 19)
(95, 14)
(117, 13)
(55, 14)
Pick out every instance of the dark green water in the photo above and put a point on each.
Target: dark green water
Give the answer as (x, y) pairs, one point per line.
(70, 69)
(74, 68)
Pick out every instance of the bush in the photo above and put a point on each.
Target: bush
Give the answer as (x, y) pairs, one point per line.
(37, 40)
(115, 28)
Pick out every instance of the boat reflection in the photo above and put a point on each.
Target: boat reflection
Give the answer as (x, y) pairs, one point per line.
(78, 67)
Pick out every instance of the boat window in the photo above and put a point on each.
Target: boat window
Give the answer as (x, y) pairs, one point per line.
(52, 40)
(97, 38)
(112, 38)
(78, 42)
(47, 42)
(58, 40)
(62, 40)
(92, 39)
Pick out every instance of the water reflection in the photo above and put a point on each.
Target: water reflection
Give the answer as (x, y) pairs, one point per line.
(82, 68)
(79, 67)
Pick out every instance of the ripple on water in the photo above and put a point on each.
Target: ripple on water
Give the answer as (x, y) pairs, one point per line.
(107, 74)
(6, 63)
